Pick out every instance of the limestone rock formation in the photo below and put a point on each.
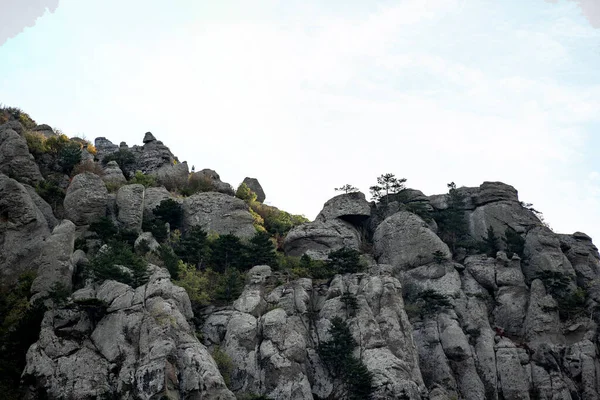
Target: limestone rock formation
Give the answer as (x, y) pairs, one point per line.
(115, 341)
(130, 206)
(15, 160)
(54, 263)
(255, 186)
(113, 174)
(23, 229)
(215, 180)
(86, 199)
(405, 241)
(43, 207)
(104, 147)
(14, 125)
(275, 352)
(219, 213)
(317, 239)
(153, 196)
(350, 207)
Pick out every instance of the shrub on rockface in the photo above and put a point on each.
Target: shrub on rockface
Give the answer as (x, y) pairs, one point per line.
(119, 263)
(124, 158)
(345, 261)
(337, 355)
(170, 211)
(140, 178)
(193, 247)
(452, 223)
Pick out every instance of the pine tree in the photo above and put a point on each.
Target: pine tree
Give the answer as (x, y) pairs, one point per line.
(193, 247)
(387, 184)
(491, 242)
(227, 251)
(261, 250)
(344, 261)
(170, 211)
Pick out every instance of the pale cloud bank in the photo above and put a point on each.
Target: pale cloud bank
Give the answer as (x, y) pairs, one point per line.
(589, 8)
(16, 15)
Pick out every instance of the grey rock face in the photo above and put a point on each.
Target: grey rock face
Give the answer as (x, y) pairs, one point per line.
(317, 239)
(86, 199)
(149, 137)
(219, 213)
(216, 182)
(172, 175)
(274, 353)
(154, 154)
(15, 160)
(140, 345)
(493, 192)
(43, 207)
(14, 125)
(405, 241)
(113, 174)
(350, 207)
(153, 245)
(255, 186)
(54, 263)
(22, 230)
(130, 206)
(544, 254)
(153, 196)
(104, 147)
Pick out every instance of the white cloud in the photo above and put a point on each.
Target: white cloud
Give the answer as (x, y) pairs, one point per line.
(16, 15)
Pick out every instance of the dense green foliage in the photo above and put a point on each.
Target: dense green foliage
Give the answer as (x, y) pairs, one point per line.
(278, 223)
(193, 247)
(243, 192)
(227, 251)
(356, 380)
(344, 261)
(515, 244)
(491, 242)
(170, 211)
(125, 159)
(16, 114)
(108, 264)
(19, 328)
(49, 191)
(261, 250)
(142, 179)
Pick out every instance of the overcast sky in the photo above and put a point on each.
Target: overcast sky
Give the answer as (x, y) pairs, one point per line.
(309, 95)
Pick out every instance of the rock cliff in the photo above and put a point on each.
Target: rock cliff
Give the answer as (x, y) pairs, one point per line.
(503, 309)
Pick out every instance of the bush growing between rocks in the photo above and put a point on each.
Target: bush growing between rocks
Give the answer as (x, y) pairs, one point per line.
(224, 364)
(16, 114)
(245, 193)
(356, 380)
(452, 224)
(124, 158)
(344, 261)
(197, 184)
(140, 178)
(51, 193)
(170, 211)
(88, 166)
(119, 263)
(515, 244)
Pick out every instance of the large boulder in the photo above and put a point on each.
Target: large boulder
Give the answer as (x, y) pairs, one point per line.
(137, 343)
(15, 160)
(23, 229)
(54, 263)
(172, 176)
(350, 207)
(490, 192)
(405, 241)
(255, 186)
(153, 197)
(544, 254)
(318, 238)
(214, 179)
(86, 199)
(218, 213)
(14, 125)
(130, 206)
(113, 173)
(153, 155)
(43, 206)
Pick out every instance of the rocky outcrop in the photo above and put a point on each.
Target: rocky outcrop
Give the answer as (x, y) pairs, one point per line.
(272, 337)
(317, 239)
(114, 341)
(172, 175)
(215, 180)
(14, 125)
(23, 229)
(350, 207)
(15, 160)
(255, 186)
(405, 241)
(54, 265)
(113, 174)
(153, 155)
(104, 147)
(218, 213)
(153, 196)
(86, 199)
(43, 207)
(130, 206)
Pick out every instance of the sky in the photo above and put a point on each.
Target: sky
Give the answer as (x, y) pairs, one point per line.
(310, 95)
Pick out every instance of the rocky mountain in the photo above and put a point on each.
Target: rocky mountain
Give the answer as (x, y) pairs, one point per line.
(141, 280)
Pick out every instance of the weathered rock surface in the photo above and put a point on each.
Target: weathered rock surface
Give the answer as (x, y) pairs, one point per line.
(317, 239)
(219, 213)
(113, 174)
(130, 206)
(152, 244)
(43, 207)
(15, 160)
(14, 125)
(255, 186)
(120, 342)
(405, 241)
(275, 352)
(54, 263)
(153, 196)
(350, 207)
(104, 147)
(172, 175)
(215, 180)
(86, 199)
(23, 229)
